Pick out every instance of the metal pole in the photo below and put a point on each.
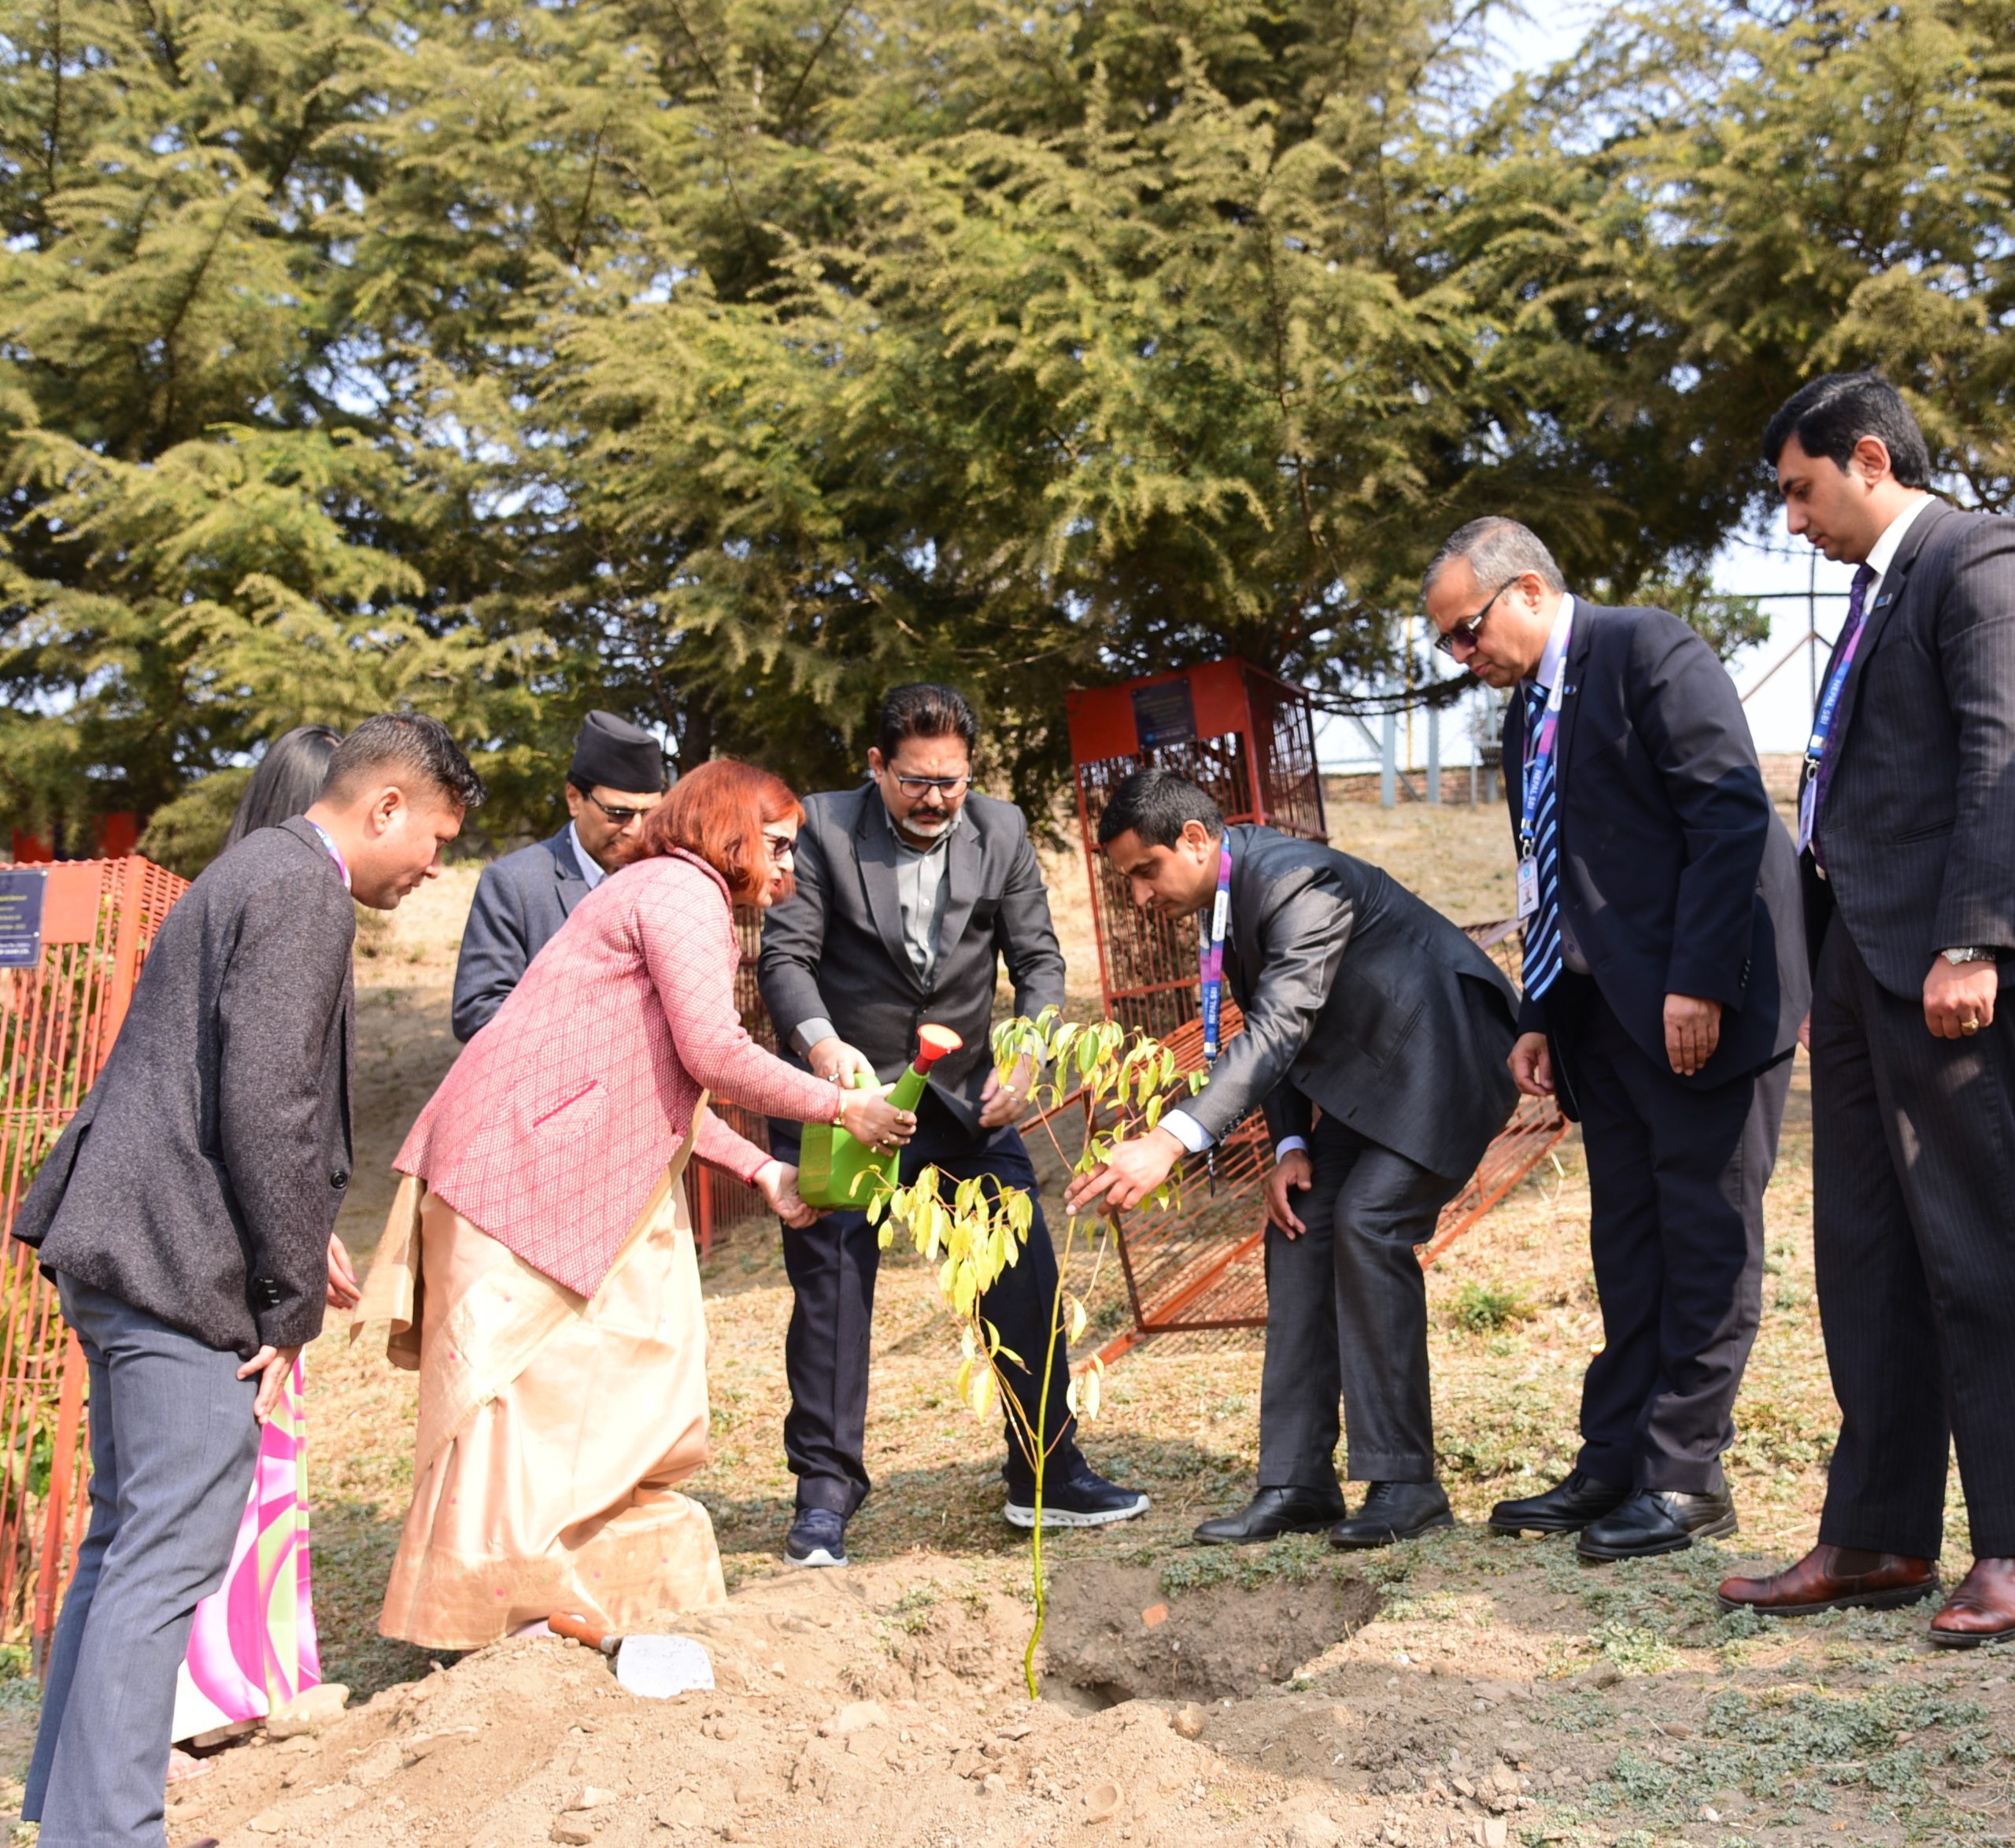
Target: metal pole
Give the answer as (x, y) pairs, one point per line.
(1388, 766)
(1811, 632)
(1434, 755)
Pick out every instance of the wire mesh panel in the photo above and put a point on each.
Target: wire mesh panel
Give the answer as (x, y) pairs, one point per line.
(59, 1014)
(1246, 737)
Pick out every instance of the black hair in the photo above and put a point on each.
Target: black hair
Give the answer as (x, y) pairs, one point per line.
(408, 743)
(1832, 414)
(1156, 804)
(925, 710)
(289, 778)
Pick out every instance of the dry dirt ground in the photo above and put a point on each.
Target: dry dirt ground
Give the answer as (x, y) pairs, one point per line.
(1457, 1690)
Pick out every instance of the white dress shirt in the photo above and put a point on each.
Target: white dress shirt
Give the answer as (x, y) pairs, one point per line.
(590, 869)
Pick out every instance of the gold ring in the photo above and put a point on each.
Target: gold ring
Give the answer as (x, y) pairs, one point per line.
(1969, 1026)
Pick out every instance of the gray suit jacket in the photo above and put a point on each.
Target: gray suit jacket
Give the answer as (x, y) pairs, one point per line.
(1919, 827)
(836, 948)
(521, 901)
(1359, 999)
(200, 1178)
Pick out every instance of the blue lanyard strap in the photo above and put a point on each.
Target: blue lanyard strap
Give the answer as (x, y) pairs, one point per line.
(1539, 742)
(1822, 721)
(1210, 953)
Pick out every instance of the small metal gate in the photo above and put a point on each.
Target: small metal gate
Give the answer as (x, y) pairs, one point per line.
(59, 1016)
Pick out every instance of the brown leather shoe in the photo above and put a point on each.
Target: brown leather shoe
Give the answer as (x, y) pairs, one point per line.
(1981, 1610)
(1838, 1578)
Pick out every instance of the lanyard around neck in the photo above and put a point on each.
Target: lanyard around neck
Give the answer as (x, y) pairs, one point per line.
(1540, 742)
(334, 852)
(1210, 953)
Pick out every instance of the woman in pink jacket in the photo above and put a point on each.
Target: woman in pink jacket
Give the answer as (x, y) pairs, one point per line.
(538, 1268)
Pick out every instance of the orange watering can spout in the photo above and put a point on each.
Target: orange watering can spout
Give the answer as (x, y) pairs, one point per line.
(933, 1042)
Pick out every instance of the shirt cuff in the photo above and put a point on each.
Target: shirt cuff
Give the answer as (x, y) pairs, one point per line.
(1289, 1145)
(1186, 1130)
(805, 1037)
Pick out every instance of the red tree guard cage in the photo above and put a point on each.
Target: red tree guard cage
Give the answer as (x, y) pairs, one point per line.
(58, 1017)
(1248, 738)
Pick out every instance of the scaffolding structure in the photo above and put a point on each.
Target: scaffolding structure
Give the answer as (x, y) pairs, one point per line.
(59, 1015)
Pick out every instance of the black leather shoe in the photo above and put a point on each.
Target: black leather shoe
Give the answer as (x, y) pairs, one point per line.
(1394, 1511)
(1566, 1508)
(1271, 1513)
(1658, 1520)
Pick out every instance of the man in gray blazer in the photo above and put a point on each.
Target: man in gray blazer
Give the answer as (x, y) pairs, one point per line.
(185, 1216)
(911, 894)
(1907, 840)
(1365, 1004)
(617, 778)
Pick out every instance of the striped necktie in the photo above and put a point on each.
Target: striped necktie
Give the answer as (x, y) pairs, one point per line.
(1822, 777)
(1541, 934)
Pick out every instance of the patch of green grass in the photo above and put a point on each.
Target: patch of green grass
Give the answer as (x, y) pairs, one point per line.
(1293, 1557)
(1778, 1743)
(910, 1613)
(1488, 1309)
(1635, 1649)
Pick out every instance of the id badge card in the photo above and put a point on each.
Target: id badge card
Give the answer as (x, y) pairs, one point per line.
(1529, 889)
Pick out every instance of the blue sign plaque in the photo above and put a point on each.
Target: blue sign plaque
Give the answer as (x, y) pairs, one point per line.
(21, 893)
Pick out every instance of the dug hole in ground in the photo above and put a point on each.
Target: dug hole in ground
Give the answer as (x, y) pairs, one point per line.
(1457, 1690)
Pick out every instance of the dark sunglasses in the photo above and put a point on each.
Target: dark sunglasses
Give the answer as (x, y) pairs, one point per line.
(782, 847)
(622, 817)
(916, 787)
(1466, 631)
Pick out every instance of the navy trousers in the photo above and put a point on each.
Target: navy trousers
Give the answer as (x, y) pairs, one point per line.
(832, 1264)
(173, 1446)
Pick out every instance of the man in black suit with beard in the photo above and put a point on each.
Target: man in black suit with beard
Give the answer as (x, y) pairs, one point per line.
(1664, 984)
(1908, 815)
(1366, 1005)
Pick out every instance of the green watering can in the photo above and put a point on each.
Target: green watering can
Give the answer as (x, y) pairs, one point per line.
(833, 1170)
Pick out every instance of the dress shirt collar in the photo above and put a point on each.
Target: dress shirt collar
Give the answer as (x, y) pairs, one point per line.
(590, 871)
(1556, 643)
(1883, 552)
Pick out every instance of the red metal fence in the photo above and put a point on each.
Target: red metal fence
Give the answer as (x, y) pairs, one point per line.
(58, 1018)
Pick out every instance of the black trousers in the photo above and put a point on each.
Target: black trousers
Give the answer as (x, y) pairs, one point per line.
(1676, 1181)
(1347, 1316)
(1913, 1242)
(832, 1264)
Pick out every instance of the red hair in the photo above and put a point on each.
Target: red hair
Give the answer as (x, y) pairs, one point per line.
(718, 810)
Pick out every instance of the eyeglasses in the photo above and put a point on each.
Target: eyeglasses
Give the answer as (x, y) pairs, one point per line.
(916, 787)
(622, 817)
(1466, 631)
(782, 847)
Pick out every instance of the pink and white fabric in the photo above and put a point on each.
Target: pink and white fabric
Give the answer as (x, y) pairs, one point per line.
(556, 1122)
(253, 1647)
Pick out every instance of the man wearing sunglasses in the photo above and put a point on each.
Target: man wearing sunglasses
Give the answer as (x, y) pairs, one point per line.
(617, 778)
(912, 891)
(1663, 986)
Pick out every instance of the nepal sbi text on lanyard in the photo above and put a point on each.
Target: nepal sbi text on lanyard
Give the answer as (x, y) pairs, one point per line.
(1822, 730)
(1538, 767)
(1210, 956)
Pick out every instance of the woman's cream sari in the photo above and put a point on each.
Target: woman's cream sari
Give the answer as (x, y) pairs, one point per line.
(554, 1427)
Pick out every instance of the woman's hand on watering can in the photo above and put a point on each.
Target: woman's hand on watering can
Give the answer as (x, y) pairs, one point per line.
(778, 1184)
(871, 1120)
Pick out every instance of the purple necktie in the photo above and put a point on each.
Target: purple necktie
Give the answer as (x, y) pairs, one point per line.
(1857, 614)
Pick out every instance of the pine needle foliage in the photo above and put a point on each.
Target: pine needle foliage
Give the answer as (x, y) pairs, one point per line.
(724, 361)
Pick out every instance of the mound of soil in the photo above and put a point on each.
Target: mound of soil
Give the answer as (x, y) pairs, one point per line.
(1113, 1632)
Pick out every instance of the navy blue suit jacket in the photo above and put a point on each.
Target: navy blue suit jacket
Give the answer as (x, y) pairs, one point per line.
(1677, 876)
(521, 901)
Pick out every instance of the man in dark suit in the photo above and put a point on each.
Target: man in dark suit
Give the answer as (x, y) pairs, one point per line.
(910, 894)
(1363, 1003)
(1908, 812)
(1663, 989)
(185, 1216)
(616, 779)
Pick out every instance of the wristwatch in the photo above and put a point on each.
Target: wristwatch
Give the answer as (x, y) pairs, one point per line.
(1976, 954)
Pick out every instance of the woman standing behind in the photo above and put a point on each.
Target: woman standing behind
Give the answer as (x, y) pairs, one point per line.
(253, 1646)
(538, 1267)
